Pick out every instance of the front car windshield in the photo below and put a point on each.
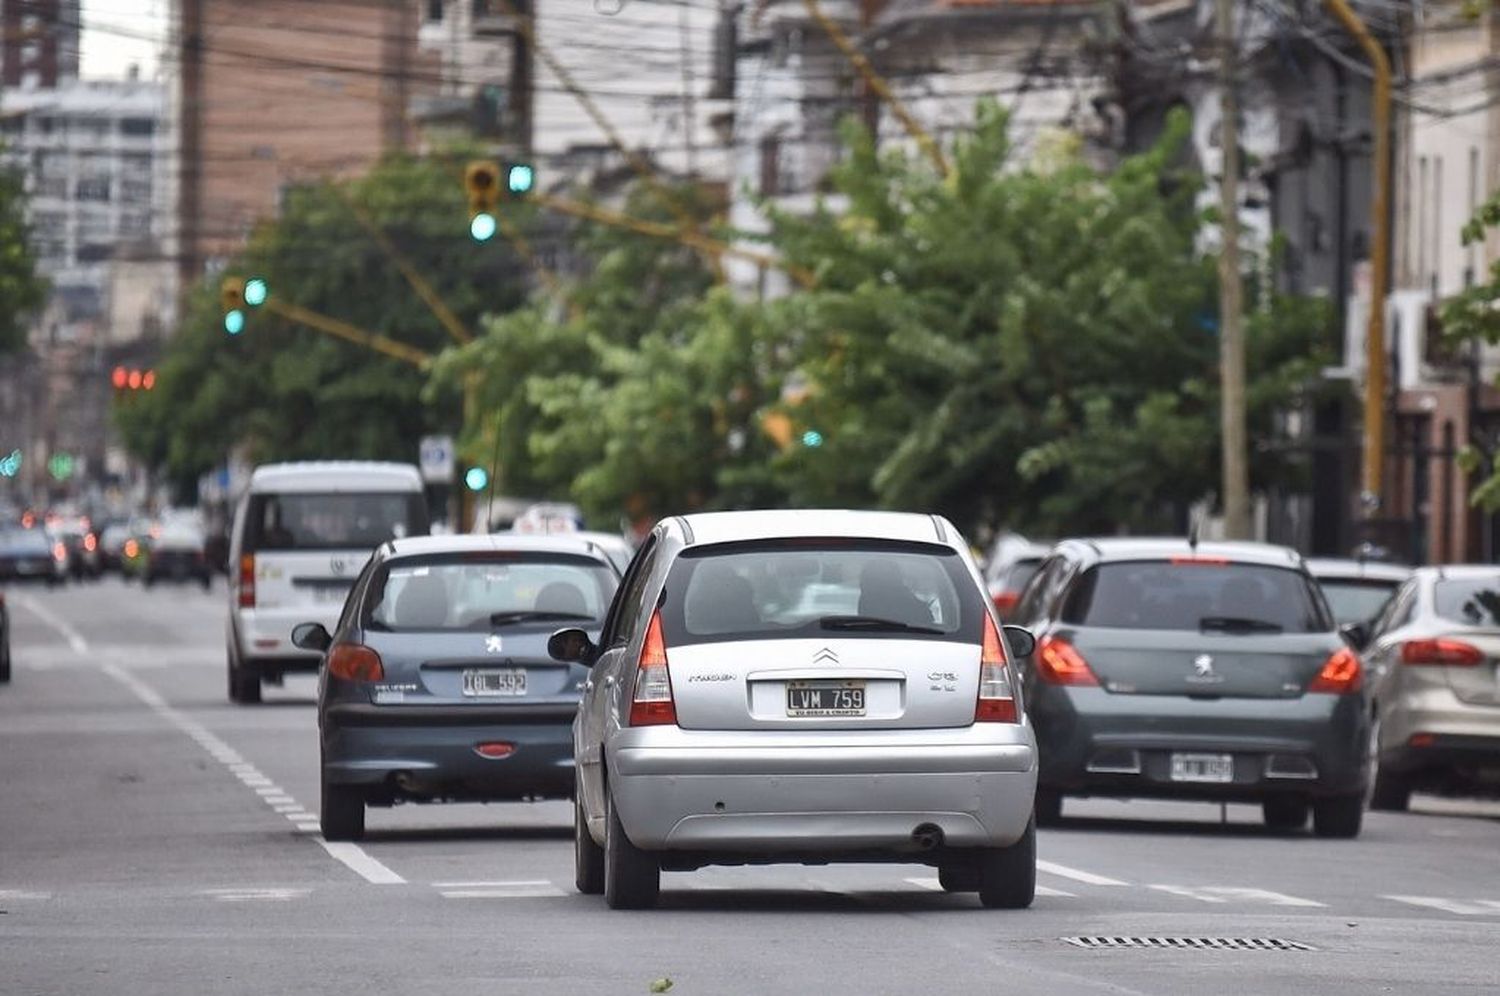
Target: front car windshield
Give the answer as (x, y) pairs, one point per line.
(481, 591)
(806, 590)
(1475, 601)
(1195, 595)
(1356, 600)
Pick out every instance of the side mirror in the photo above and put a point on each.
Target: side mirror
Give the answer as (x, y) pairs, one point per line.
(1018, 641)
(311, 636)
(573, 646)
(1358, 634)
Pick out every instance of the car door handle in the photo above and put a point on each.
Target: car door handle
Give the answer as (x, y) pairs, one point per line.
(588, 686)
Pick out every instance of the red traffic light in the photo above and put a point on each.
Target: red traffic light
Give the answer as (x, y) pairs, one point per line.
(119, 377)
(135, 380)
(148, 379)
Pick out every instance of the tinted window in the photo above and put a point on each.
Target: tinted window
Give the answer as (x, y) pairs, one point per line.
(626, 618)
(483, 591)
(1475, 601)
(808, 591)
(332, 521)
(1160, 594)
(1018, 574)
(1354, 600)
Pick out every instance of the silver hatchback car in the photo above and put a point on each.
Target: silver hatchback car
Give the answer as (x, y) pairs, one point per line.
(802, 686)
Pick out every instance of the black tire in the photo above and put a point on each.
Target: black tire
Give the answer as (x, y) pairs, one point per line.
(1391, 793)
(632, 877)
(1339, 816)
(1007, 875)
(959, 878)
(342, 814)
(1285, 812)
(244, 685)
(5, 661)
(207, 582)
(1048, 807)
(147, 580)
(588, 857)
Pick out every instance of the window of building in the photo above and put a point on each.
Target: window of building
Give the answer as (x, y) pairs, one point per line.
(137, 126)
(93, 188)
(135, 191)
(434, 10)
(135, 223)
(94, 253)
(1420, 229)
(1437, 223)
(135, 162)
(52, 186)
(770, 165)
(49, 224)
(12, 125)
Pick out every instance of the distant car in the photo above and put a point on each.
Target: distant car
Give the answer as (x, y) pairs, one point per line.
(1212, 672)
(1356, 590)
(728, 719)
(134, 550)
(615, 547)
(437, 685)
(32, 555)
(1435, 651)
(112, 545)
(82, 545)
(177, 554)
(1006, 578)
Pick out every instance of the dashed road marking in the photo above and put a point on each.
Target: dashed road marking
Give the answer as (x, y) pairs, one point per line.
(937, 886)
(23, 895)
(1076, 874)
(1461, 907)
(1226, 894)
(251, 895)
(540, 889)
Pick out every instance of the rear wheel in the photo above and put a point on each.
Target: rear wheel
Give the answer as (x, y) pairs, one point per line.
(1283, 813)
(1007, 875)
(1392, 792)
(959, 878)
(588, 857)
(632, 877)
(5, 659)
(1339, 816)
(1048, 807)
(342, 814)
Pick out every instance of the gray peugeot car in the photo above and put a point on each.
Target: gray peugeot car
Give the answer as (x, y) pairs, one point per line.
(436, 684)
(1209, 671)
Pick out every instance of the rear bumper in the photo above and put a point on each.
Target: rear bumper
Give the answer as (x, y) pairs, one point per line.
(684, 791)
(1093, 742)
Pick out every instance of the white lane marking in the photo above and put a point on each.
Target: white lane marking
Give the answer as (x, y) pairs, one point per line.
(937, 886)
(1182, 890)
(530, 892)
(23, 894)
(1476, 907)
(354, 857)
(255, 895)
(75, 639)
(492, 885)
(1076, 874)
(269, 791)
(1042, 890)
(1225, 894)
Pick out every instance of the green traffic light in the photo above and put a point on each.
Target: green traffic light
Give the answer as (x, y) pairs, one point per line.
(256, 291)
(482, 228)
(234, 321)
(812, 438)
(10, 465)
(520, 178)
(477, 479)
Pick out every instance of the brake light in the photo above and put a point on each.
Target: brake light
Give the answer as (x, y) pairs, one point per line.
(247, 581)
(1341, 674)
(132, 548)
(1200, 561)
(355, 662)
(1005, 601)
(59, 552)
(1058, 663)
(1455, 653)
(90, 542)
(651, 704)
(997, 697)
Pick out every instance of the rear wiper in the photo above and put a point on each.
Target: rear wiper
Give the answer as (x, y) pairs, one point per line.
(1239, 624)
(532, 615)
(874, 624)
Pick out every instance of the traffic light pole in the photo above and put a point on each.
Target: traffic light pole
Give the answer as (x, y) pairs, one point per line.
(350, 333)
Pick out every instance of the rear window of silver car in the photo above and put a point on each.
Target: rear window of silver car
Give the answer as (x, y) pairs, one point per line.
(810, 589)
(483, 591)
(1195, 595)
(341, 521)
(1475, 601)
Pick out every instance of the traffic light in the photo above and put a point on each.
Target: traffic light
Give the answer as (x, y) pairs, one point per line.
(256, 291)
(812, 439)
(129, 379)
(232, 299)
(61, 466)
(520, 179)
(10, 464)
(477, 479)
(482, 185)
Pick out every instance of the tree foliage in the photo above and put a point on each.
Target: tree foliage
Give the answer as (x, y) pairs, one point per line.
(1474, 315)
(22, 291)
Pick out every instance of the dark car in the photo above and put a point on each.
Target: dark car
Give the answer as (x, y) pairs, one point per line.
(1357, 590)
(31, 555)
(437, 686)
(1212, 671)
(177, 554)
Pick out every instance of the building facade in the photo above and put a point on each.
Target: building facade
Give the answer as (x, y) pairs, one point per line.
(39, 42)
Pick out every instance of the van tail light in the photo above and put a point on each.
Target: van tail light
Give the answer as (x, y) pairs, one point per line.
(997, 696)
(1059, 663)
(247, 581)
(652, 703)
(1453, 653)
(59, 552)
(90, 542)
(1005, 601)
(355, 662)
(1341, 674)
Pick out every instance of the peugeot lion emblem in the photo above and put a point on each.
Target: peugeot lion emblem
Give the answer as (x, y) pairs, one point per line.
(493, 644)
(1203, 665)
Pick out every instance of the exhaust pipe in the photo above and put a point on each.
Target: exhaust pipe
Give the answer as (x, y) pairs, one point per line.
(927, 836)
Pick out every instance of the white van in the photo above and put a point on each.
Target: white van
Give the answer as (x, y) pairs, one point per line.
(302, 533)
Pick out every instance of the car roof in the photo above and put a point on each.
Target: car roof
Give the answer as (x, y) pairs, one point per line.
(771, 524)
(335, 475)
(418, 546)
(1162, 547)
(1345, 569)
(1458, 572)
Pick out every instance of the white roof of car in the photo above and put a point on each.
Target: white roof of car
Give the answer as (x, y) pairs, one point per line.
(731, 527)
(419, 546)
(335, 476)
(1352, 570)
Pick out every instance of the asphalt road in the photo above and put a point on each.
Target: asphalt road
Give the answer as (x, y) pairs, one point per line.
(156, 839)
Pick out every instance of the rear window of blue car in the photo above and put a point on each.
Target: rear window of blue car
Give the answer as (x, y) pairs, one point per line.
(485, 591)
(1196, 594)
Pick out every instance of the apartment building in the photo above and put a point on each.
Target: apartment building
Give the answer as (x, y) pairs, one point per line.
(39, 42)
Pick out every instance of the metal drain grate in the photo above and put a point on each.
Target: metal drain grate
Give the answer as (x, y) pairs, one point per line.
(1196, 943)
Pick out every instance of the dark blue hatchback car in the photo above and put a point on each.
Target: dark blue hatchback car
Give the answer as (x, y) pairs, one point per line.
(437, 686)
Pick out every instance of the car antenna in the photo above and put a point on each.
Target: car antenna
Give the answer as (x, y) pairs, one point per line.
(1193, 533)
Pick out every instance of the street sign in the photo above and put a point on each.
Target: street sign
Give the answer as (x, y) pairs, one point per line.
(435, 458)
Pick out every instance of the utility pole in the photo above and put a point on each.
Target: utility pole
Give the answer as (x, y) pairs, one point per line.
(1236, 470)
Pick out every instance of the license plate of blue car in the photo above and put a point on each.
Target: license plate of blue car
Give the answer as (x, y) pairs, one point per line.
(495, 682)
(825, 698)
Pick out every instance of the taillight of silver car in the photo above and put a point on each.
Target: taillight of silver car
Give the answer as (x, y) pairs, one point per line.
(1440, 653)
(997, 697)
(652, 703)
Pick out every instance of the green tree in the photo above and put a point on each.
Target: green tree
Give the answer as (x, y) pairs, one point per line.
(21, 290)
(282, 391)
(1472, 316)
